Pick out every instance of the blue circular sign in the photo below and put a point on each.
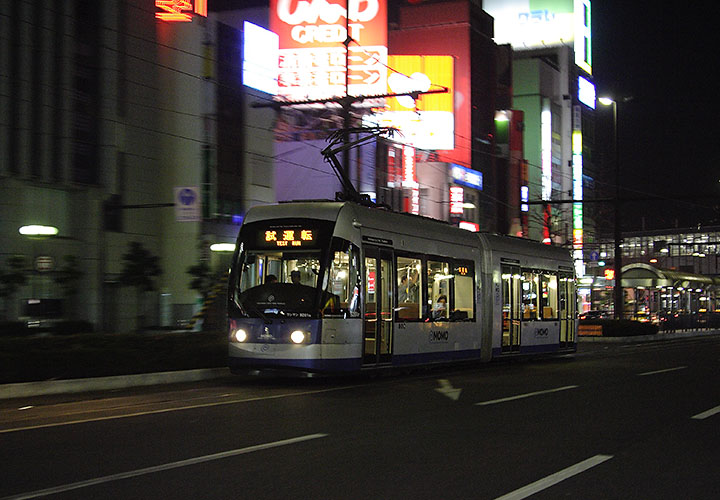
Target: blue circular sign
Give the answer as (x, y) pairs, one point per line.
(186, 196)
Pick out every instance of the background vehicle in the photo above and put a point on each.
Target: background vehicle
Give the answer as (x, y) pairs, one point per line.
(356, 287)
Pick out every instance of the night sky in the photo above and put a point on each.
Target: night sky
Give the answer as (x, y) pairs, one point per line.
(665, 57)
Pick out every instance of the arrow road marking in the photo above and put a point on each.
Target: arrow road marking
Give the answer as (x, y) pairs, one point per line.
(448, 390)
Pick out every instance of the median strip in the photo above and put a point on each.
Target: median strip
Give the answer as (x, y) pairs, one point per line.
(528, 395)
(160, 468)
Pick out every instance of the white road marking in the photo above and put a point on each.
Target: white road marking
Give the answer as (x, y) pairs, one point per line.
(178, 408)
(706, 414)
(160, 468)
(528, 395)
(662, 371)
(447, 389)
(554, 479)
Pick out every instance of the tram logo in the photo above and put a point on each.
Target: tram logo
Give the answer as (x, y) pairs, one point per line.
(541, 333)
(439, 336)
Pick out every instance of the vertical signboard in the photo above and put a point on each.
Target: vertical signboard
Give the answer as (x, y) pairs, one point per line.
(577, 189)
(187, 204)
(313, 36)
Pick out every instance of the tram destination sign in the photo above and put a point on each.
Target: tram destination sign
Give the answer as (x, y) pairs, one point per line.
(288, 237)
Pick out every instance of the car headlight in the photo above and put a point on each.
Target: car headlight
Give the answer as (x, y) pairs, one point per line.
(239, 335)
(297, 337)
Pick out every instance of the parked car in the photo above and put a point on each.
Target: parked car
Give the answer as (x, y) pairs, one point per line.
(595, 314)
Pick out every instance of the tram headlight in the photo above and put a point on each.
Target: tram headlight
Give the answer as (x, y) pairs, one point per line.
(239, 335)
(297, 337)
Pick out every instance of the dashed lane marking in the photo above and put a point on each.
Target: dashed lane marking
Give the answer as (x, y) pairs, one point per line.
(159, 468)
(554, 479)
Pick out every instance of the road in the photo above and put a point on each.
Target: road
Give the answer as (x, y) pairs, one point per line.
(614, 421)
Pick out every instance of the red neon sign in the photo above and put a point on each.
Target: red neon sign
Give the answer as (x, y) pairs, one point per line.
(457, 199)
(180, 10)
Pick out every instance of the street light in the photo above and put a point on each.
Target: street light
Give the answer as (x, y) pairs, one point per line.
(36, 230)
(619, 300)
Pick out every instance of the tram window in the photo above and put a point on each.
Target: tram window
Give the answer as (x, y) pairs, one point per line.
(438, 287)
(463, 298)
(301, 269)
(409, 286)
(548, 296)
(342, 281)
(530, 300)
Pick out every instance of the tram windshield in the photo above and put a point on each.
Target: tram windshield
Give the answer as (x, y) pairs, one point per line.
(278, 283)
(290, 269)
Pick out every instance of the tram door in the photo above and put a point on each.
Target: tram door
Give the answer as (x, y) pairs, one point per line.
(511, 293)
(567, 310)
(379, 294)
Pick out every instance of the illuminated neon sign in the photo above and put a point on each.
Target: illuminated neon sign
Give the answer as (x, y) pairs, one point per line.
(180, 10)
(577, 191)
(586, 92)
(260, 56)
(312, 47)
(466, 176)
(426, 122)
(457, 198)
(546, 153)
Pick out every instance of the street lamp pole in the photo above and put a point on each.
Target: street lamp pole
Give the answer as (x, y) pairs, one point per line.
(618, 298)
(618, 295)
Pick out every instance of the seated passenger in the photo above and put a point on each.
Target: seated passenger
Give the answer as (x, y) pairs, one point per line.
(440, 307)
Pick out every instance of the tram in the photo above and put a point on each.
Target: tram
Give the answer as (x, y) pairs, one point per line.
(340, 287)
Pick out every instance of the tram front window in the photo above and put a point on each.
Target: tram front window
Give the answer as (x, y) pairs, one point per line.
(278, 284)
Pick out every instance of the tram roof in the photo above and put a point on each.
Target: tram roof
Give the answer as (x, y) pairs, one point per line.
(404, 223)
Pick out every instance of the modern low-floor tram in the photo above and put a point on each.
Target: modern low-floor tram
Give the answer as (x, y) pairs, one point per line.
(340, 287)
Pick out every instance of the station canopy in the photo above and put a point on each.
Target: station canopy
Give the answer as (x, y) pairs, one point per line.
(647, 276)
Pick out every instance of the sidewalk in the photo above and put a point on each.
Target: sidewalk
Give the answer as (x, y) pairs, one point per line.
(47, 387)
(678, 334)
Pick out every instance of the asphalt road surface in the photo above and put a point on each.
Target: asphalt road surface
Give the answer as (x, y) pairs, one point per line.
(618, 421)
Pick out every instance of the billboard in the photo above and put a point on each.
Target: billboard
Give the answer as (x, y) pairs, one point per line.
(528, 24)
(427, 122)
(260, 56)
(312, 57)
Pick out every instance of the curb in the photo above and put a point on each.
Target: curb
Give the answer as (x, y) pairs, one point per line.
(644, 338)
(47, 387)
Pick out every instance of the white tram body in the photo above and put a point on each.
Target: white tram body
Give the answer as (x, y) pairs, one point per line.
(340, 287)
